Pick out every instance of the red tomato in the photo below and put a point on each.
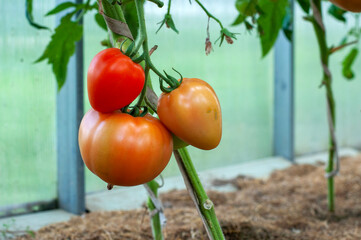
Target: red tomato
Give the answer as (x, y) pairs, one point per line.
(193, 113)
(349, 5)
(124, 150)
(114, 80)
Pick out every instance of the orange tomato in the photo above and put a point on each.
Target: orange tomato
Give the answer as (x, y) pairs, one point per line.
(124, 150)
(193, 113)
(349, 5)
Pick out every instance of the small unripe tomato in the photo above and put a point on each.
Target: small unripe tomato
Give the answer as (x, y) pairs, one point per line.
(124, 150)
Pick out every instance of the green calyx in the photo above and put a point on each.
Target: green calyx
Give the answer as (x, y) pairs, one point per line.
(135, 111)
(172, 81)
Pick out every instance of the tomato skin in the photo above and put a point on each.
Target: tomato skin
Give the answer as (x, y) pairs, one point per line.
(193, 113)
(114, 80)
(124, 150)
(348, 5)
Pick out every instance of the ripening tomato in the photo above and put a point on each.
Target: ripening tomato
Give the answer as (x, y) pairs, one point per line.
(124, 150)
(193, 113)
(349, 5)
(114, 80)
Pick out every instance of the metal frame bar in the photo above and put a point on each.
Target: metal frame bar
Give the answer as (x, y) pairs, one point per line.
(70, 167)
(18, 209)
(283, 128)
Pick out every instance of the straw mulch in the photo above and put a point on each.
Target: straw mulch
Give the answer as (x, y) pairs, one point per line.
(290, 204)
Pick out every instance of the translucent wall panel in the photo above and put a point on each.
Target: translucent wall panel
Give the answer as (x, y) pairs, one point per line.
(27, 107)
(242, 80)
(310, 120)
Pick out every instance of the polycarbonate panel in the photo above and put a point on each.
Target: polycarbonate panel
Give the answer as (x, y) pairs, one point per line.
(27, 107)
(311, 128)
(242, 80)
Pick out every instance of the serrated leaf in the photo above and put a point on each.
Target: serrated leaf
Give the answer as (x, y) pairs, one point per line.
(348, 62)
(305, 5)
(29, 15)
(270, 22)
(62, 47)
(337, 13)
(99, 19)
(60, 8)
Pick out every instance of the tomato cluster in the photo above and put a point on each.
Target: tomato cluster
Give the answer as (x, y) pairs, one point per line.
(127, 150)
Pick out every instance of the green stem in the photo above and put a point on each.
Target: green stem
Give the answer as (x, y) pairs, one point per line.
(169, 5)
(143, 33)
(205, 204)
(144, 90)
(209, 14)
(327, 81)
(155, 220)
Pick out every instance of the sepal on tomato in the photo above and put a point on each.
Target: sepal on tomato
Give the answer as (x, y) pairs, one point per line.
(178, 143)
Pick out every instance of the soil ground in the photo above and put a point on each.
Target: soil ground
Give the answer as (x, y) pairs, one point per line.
(290, 204)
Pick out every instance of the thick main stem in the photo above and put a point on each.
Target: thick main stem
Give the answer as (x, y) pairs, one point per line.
(155, 219)
(327, 81)
(205, 205)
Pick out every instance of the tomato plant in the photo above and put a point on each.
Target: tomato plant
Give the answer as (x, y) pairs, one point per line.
(349, 5)
(114, 80)
(193, 113)
(124, 150)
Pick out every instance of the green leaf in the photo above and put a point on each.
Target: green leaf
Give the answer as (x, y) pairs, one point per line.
(337, 13)
(348, 62)
(287, 25)
(62, 47)
(60, 8)
(305, 5)
(130, 14)
(29, 15)
(100, 21)
(240, 19)
(270, 22)
(246, 8)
